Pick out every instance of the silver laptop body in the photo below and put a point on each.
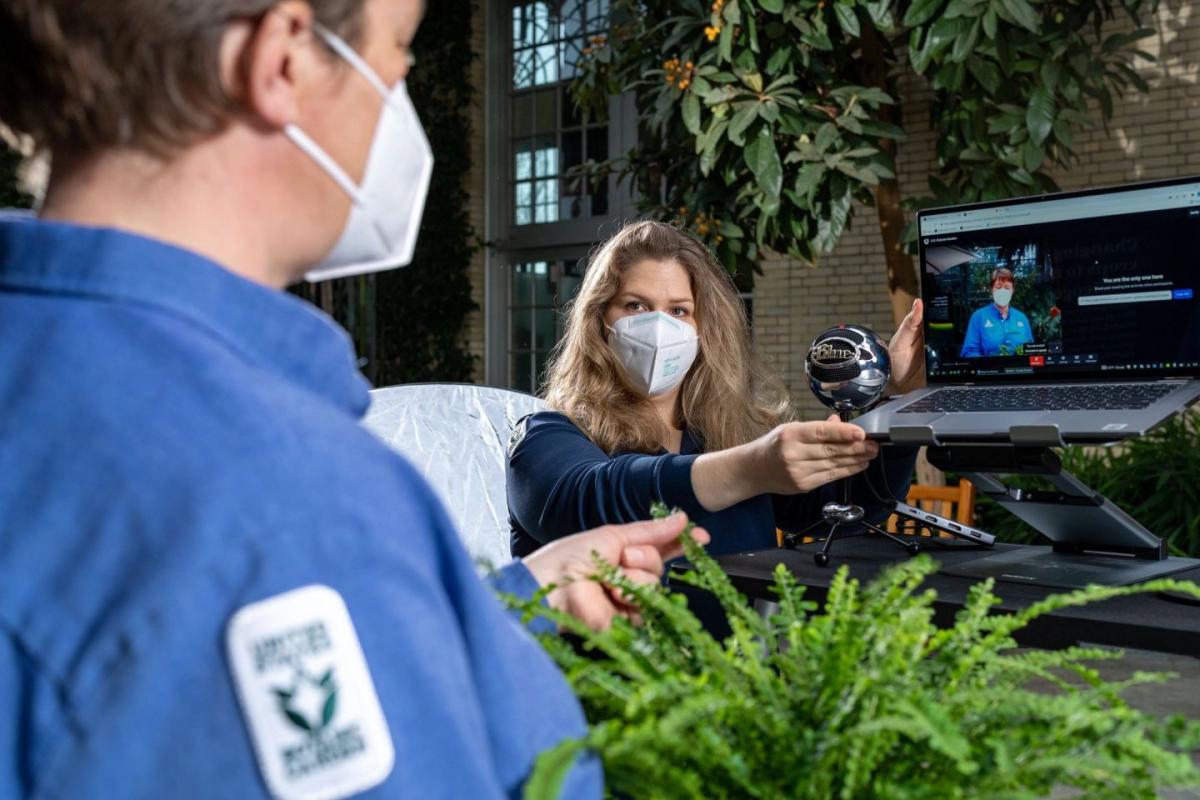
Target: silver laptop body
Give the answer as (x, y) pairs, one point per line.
(1099, 339)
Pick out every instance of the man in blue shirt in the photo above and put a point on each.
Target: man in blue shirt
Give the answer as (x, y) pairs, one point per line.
(997, 329)
(215, 582)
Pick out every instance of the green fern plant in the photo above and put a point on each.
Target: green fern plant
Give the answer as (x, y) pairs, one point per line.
(866, 698)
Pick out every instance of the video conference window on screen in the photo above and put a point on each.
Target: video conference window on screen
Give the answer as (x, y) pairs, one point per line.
(1071, 285)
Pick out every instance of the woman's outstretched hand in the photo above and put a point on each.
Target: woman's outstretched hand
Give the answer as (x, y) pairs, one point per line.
(794, 457)
(802, 456)
(639, 549)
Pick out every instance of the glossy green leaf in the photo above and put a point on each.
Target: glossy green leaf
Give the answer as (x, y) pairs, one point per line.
(740, 121)
(921, 11)
(1023, 13)
(1039, 119)
(691, 112)
(762, 157)
(847, 18)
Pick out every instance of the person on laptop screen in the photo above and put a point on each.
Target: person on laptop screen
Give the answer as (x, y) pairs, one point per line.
(997, 329)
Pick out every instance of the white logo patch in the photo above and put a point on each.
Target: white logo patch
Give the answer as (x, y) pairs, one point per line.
(307, 696)
(987, 323)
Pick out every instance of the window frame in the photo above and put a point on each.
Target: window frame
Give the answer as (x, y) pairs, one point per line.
(508, 244)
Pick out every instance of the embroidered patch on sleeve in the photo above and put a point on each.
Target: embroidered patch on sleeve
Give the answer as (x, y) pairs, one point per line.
(310, 705)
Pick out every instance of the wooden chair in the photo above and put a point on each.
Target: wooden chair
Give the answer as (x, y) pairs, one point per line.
(953, 502)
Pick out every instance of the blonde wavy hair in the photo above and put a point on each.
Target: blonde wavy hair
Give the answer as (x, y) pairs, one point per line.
(727, 398)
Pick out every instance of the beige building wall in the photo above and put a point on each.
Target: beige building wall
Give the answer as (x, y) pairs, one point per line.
(1150, 136)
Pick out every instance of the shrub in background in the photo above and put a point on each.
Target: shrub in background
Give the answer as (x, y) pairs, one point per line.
(867, 698)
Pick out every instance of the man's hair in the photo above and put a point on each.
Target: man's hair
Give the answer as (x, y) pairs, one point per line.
(1000, 272)
(84, 76)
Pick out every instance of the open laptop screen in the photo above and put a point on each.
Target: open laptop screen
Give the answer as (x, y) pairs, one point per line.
(1079, 286)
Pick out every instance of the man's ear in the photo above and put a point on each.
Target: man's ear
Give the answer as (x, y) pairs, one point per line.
(263, 62)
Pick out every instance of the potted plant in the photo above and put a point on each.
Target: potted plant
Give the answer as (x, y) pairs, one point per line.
(863, 698)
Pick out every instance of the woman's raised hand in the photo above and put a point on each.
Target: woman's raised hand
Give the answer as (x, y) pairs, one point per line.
(907, 351)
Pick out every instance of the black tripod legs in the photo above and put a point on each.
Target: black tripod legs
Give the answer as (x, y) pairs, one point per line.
(912, 547)
(822, 556)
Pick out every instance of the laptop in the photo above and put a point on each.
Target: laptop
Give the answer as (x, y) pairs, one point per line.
(1055, 319)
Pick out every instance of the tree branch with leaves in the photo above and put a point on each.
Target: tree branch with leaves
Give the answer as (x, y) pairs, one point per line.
(764, 122)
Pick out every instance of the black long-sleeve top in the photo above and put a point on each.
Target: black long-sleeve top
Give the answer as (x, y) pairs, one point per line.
(560, 482)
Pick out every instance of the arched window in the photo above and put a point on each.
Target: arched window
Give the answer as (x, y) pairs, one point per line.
(542, 221)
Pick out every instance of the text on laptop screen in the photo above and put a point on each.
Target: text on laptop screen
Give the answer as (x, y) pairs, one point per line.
(1087, 285)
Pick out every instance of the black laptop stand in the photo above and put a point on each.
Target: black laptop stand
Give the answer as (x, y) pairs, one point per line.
(1093, 541)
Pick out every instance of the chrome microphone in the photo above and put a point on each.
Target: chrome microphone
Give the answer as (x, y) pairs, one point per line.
(848, 368)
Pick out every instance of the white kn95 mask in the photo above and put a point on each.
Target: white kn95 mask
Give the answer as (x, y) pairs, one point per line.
(656, 350)
(385, 211)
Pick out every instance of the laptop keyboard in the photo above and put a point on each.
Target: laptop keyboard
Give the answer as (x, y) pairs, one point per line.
(1094, 397)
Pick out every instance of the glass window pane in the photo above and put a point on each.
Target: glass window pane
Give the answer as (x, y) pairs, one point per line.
(540, 366)
(520, 372)
(597, 144)
(572, 150)
(534, 112)
(545, 201)
(523, 164)
(545, 328)
(570, 204)
(532, 24)
(522, 69)
(599, 203)
(570, 117)
(523, 203)
(597, 15)
(523, 286)
(545, 64)
(543, 295)
(572, 18)
(572, 54)
(545, 161)
(548, 37)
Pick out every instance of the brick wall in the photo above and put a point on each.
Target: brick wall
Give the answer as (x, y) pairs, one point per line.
(1150, 136)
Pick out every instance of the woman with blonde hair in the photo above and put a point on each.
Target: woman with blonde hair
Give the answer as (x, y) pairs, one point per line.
(657, 395)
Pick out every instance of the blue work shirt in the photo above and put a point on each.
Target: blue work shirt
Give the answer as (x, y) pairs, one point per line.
(560, 482)
(179, 442)
(989, 334)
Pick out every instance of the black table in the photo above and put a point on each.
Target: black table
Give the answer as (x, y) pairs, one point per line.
(1146, 622)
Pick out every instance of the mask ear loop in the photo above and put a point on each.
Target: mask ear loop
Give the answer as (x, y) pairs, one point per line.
(306, 142)
(338, 45)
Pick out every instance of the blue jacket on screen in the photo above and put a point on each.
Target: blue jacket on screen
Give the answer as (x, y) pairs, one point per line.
(178, 443)
(989, 334)
(560, 482)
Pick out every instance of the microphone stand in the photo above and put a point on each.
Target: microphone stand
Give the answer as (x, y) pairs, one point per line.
(847, 367)
(844, 515)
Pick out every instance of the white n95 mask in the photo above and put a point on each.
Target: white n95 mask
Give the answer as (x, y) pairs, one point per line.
(385, 211)
(655, 349)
